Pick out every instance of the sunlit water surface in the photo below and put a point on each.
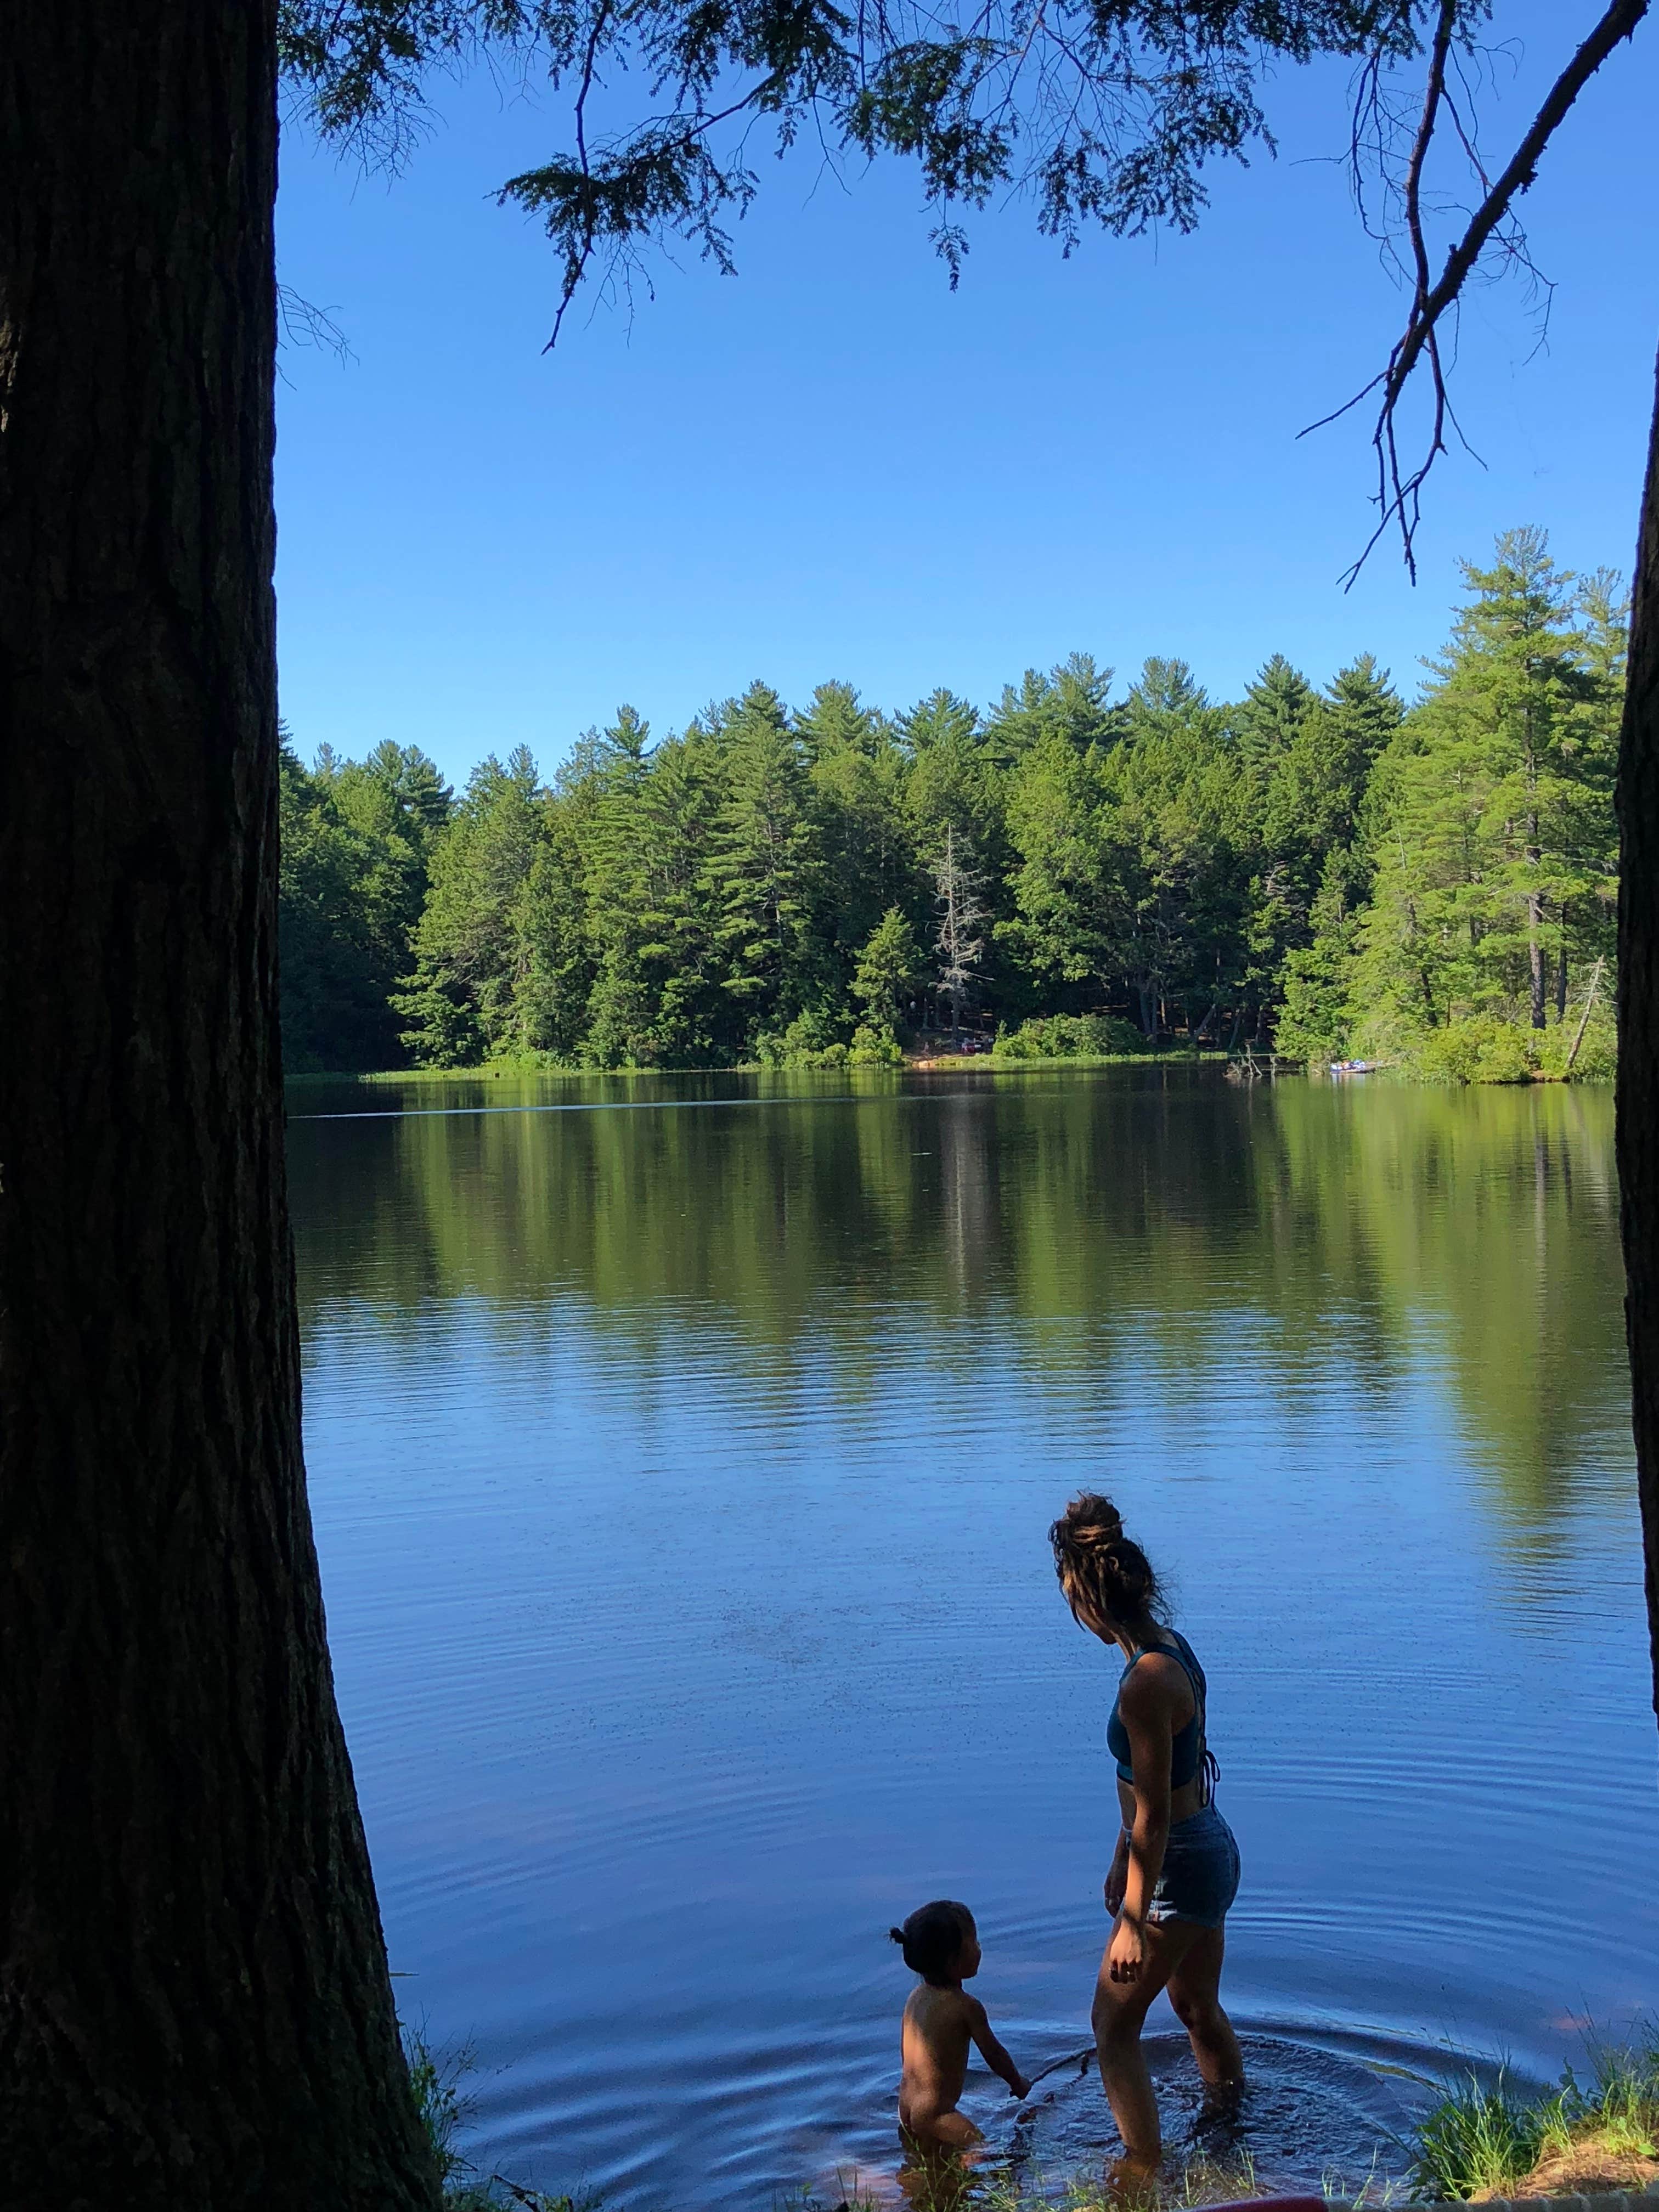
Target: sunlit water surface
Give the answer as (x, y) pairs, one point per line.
(681, 1453)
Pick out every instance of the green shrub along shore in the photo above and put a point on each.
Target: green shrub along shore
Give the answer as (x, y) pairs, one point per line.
(1324, 872)
(1480, 2141)
(1600, 2135)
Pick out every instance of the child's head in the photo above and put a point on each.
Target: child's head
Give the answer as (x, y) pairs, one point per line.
(941, 1941)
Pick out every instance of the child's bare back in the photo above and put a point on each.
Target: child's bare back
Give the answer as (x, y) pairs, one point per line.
(940, 2021)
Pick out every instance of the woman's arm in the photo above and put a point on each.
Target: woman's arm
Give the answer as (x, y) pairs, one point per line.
(1144, 1704)
(1118, 1876)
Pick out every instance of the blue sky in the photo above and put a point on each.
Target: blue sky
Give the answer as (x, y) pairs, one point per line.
(830, 465)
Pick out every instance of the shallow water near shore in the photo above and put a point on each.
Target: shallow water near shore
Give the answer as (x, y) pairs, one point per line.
(681, 1453)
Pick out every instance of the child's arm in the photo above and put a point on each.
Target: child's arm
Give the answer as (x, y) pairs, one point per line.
(992, 2052)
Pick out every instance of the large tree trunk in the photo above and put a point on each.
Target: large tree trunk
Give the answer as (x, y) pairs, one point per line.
(194, 2006)
(1638, 1026)
(1535, 950)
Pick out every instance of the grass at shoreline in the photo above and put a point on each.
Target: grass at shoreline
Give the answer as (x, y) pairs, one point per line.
(949, 1063)
(1482, 2140)
(508, 1069)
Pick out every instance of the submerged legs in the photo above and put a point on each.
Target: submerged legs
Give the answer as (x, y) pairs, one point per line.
(1195, 1994)
(1188, 1960)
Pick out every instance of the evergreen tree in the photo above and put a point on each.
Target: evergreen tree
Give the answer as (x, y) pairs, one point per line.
(889, 970)
(1316, 1013)
(1367, 709)
(759, 866)
(1070, 702)
(1305, 857)
(1068, 909)
(952, 784)
(339, 958)
(1273, 714)
(553, 975)
(471, 951)
(1313, 757)
(861, 840)
(1499, 818)
(1176, 824)
(1167, 701)
(837, 721)
(656, 1000)
(400, 806)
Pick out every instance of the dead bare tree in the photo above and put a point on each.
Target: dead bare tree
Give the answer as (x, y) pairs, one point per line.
(960, 943)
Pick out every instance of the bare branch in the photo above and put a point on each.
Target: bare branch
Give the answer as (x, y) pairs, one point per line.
(1399, 491)
(303, 323)
(1620, 22)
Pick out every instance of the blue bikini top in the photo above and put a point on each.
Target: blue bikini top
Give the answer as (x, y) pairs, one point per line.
(1187, 1751)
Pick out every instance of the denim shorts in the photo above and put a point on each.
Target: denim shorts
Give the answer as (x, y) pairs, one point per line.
(1199, 1878)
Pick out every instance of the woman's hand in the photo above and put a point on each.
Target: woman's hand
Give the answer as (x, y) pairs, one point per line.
(1126, 1954)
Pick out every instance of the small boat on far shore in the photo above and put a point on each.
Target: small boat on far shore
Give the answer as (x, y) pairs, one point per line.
(1355, 1066)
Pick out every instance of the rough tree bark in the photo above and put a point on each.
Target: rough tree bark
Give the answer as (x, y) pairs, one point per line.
(194, 2005)
(1535, 945)
(1638, 1025)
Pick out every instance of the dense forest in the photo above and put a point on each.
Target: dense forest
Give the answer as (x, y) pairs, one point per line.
(1321, 872)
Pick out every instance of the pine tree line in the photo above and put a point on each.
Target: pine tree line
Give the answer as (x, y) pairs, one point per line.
(1317, 869)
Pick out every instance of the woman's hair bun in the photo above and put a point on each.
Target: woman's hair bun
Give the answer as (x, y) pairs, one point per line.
(895, 1935)
(1091, 1519)
(1106, 1576)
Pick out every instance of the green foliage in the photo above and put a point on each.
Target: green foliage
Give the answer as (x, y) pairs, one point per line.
(760, 871)
(1318, 977)
(1107, 116)
(1313, 869)
(435, 2078)
(1071, 1036)
(874, 1048)
(357, 841)
(1491, 829)
(1482, 2139)
(888, 972)
(1482, 1049)
(465, 1001)
(809, 1041)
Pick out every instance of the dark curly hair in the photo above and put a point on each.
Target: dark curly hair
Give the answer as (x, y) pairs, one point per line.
(1107, 1579)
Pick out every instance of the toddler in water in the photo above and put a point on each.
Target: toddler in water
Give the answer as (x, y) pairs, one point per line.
(941, 2019)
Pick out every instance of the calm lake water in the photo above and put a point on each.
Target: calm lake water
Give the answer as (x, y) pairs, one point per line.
(681, 1455)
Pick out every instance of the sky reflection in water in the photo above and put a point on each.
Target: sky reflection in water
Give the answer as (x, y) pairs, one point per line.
(681, 1479)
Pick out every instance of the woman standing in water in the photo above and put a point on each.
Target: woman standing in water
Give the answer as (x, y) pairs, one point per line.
(1175, 1871)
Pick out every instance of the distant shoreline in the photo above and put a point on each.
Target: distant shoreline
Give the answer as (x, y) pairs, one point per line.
(496, 1071)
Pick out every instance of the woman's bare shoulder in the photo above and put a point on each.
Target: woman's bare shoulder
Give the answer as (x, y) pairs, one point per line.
(1156, 1681)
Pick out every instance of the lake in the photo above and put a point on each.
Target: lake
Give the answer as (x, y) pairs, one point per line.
(682, 1451)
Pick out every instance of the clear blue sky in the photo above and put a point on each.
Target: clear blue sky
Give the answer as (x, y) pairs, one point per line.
(829, 465)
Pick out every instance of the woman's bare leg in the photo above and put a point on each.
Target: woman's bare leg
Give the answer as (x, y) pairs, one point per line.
(1120, 2010)
(1195, 1994)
